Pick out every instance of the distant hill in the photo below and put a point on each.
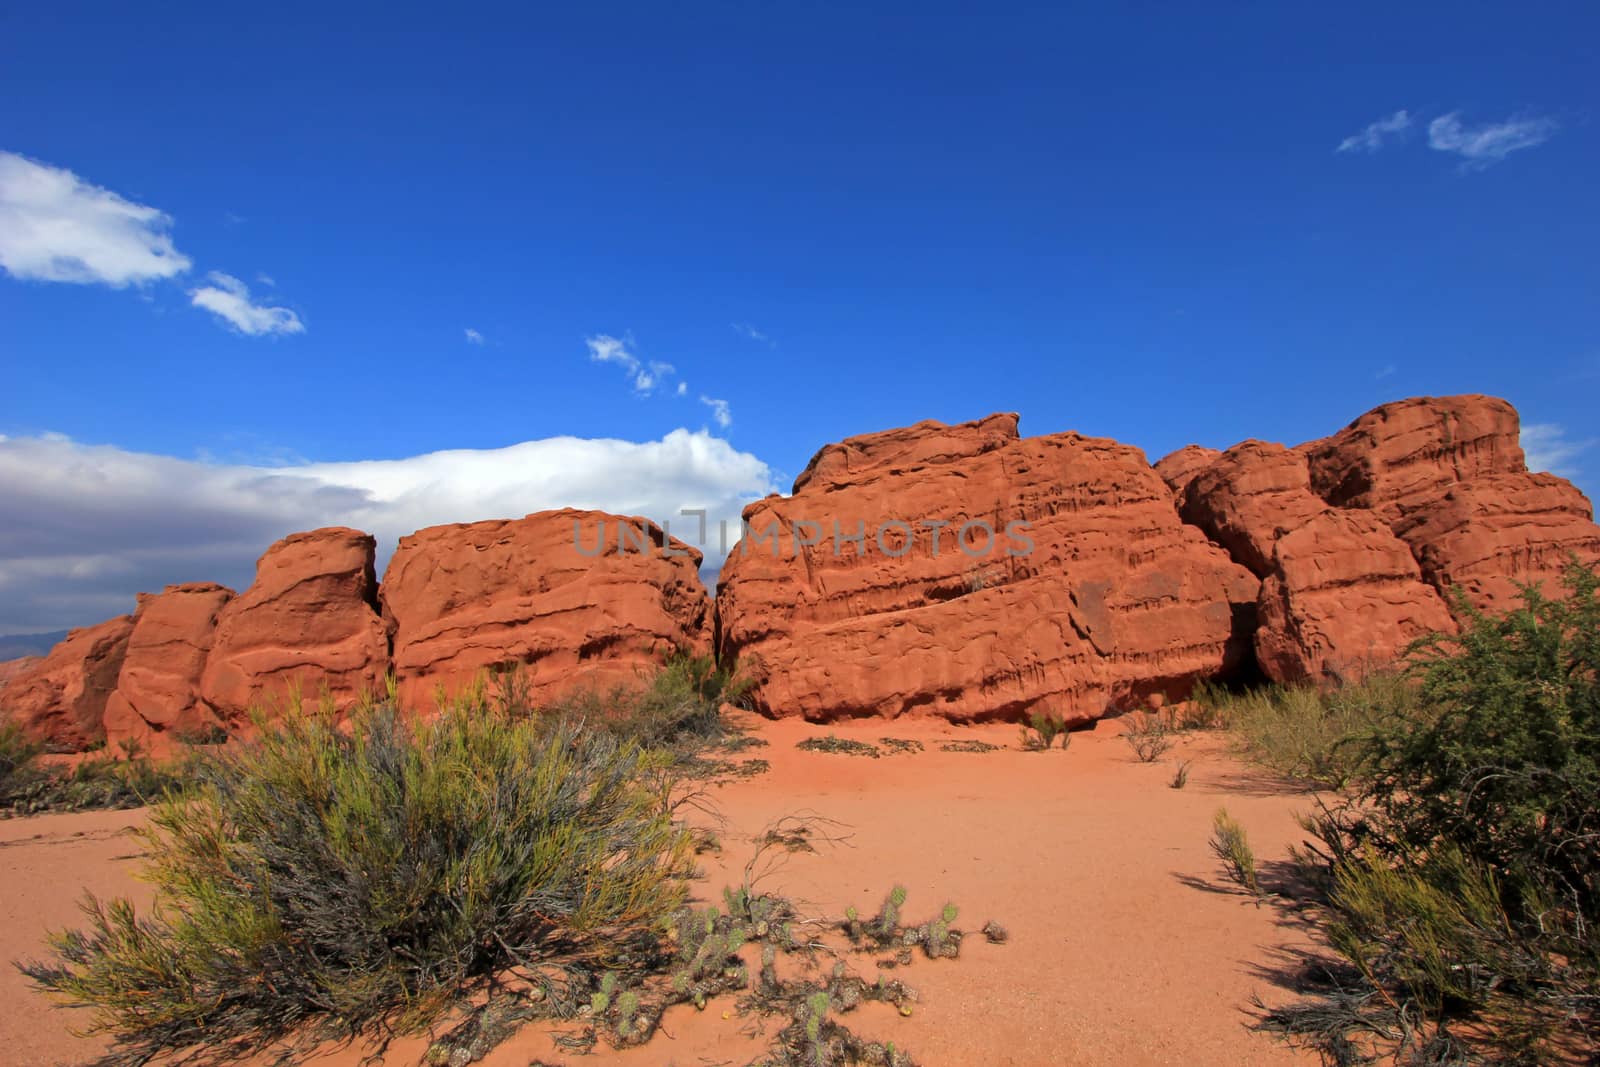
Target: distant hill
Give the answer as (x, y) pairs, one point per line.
(13, 646)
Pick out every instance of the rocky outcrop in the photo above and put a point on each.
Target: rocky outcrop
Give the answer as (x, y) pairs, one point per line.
(1343, 597)
(1249, 497)
(1179, 468)
(1486, 537)
(61, 697)
(968, 573)
(573, 598)
(157, 699)
(10, 668)
(309, 622)
(1403, 455)
(1448, 474)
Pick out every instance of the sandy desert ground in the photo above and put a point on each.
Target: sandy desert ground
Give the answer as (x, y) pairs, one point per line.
(1122, 950)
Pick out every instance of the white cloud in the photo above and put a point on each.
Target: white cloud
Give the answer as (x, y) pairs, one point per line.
(1488, 144)
(267, 280)
(473, 336)
(90, 525)
(644, 377)
(719, 411)
(1385, 371)
(1548, 448)
(683, 388)
(56, 227)
(744, 329)
(1372, 138)
(229, 299)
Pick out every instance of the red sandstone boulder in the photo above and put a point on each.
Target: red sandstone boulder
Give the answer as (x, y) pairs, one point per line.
(158, 691)
(575, 598)
(1401, 455)
(61, 697)
(1344, 597)
(309, 621)
(1061, 578)
(1248, 498)
(1178, 468)
(1485, 537)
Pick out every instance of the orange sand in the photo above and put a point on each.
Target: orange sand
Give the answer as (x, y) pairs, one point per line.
(1088, 858)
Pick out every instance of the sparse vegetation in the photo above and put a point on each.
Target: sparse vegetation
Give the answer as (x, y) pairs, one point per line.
(1041, 731)
(1459, 882)
(1231, 845)
(842, 746)
(1180, 774)
(30, 786)
(901, 745)
(969, 745)
(1148, 734)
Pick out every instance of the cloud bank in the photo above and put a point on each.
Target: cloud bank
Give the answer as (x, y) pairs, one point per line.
(1485, 145)
(88, 526)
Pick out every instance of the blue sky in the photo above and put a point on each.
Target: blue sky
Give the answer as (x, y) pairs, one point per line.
(1130, 220)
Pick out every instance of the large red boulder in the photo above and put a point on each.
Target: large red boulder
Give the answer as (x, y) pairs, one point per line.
(1250, 496)
(13, 667)
(571, 598)
(61, 697)
(308, 624)
(1179, 468)
(1344, 597)
(1486, 537)
(1402, 455)
(1449, 476)
(967, 573)
(158, 691)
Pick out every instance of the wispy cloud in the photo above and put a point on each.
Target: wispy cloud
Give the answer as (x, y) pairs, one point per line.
(643, 376)
(683, 388)
(1548, 448)
(1373, 137)
(1385, 371)
(473, 336)
(719, 410)
(70, 557)
(229, 299)
(56, 227)
(267, 280)
(1483, 146)
(744, 329)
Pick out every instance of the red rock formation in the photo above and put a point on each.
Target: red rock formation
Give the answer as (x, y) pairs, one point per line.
(1250, 496)
(1485, 537)
(1403, 454)
(1178, 468)
(61, 698)
(13, 667)
(1100, 599)
(308, 621)
(1448, 474)
(1344, 596)
(541, 592)
(158, 691)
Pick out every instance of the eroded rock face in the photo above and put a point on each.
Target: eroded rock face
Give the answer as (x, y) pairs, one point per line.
(1344, 597)
(61, 697)
(13, 667)
(1449, 476)
(575, 598)
(1082, 593)
(1485, 537)
(1249, 497)
(1178, 468)
(309, 620)
(158, 691)
(1402, 455)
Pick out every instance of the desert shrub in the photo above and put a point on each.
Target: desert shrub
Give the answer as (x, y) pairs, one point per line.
(842, 746)
(1148, 734)
(19, 760)
(1180, 774)
(1041, 731)
(1231, 845)
(1459, 880)
(1312, 736)
(351, 877)
(679, 705)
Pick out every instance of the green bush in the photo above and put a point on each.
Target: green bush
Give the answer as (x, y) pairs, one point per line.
(679, 705)
(1041, 731)
(1460, 881)
(351, 876)
(28, 786)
